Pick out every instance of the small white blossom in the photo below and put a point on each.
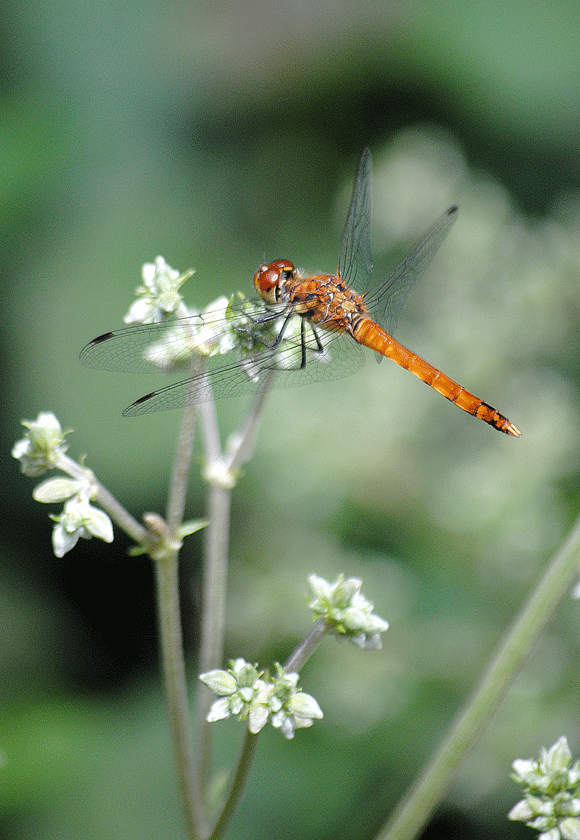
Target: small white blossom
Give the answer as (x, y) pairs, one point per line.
(213, 337)
(79, 519)
(159, 295)
(236, 688)
(343, 606)
(205, 334)
(224, 327)
(287, 706)
(42, 445)
(61, 488)
(297, 709)
(551, 802)
(244, 692)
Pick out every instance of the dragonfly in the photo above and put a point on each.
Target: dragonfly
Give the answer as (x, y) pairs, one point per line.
(303, 329)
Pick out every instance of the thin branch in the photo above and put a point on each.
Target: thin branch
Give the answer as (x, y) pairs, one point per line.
(182, 462)
(167, 572)
(244, 762)
(167, 577)
(306, 648)
(212, 618)
(237, 786)
(180, 471)
(431, 785)
(245, 443)
(220, 473)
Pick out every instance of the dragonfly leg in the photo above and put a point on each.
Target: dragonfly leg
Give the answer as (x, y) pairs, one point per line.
(304, 344)
(280, 335)
(305, 349)
(303, 338)
(259, 337)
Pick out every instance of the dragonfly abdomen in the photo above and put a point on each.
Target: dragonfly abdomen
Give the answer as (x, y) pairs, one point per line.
(369, 334)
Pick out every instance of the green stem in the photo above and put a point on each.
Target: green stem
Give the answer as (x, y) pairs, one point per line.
(167, 574)
(246, 440)
(431, 785)
(215, 583)
(212, 619)
(221, 474)
(306, 648)
(180, 471)
(244, 763)
(167, 578)
(237, 786)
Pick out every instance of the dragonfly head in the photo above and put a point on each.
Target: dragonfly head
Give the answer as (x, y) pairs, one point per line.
(270, 278)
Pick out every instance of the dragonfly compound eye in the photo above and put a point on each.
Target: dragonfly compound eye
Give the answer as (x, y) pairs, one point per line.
(268, 277)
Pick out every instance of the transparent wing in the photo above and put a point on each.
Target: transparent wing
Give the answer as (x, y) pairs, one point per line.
(167, 346)
(385, 300)
(303, 356)
(354, 259)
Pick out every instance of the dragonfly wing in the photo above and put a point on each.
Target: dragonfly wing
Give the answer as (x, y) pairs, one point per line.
(302, 357)
(354, 259)
(143, 348)
(169, 345)
(224, 379)
(220, 379)
(386, 299)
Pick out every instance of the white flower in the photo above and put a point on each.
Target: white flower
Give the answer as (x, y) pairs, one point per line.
(213, 337)
(206, 334)
(343, 606)
(59, 489)
(236, 688)
(551, 803)
(79, 519)
(287, 706)
(292, 708)
(159, 295)
(244, 692)
(41, 446)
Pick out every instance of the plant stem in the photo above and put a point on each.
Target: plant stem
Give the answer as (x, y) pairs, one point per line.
(119, 515)
(213, 617)
(167, 577)
(246, 441)
(306, 648)
(237, 786)
(244, 763)
(180, 470)
(421, 800)
(221, 473)
(215, 582)
(214, 587)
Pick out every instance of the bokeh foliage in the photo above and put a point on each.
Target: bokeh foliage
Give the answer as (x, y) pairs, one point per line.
(217, 134)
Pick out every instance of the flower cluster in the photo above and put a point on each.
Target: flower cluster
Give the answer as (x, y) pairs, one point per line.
(42, 445)
(225, 325)
(159, 295)
(43, 448)
(551, 802)
(342, 605)
(248, 693)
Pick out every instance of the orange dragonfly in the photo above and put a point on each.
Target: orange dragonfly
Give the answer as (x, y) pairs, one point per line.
(304, 329)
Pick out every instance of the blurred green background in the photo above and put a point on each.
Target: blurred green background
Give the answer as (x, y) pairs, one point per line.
(217, 134)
